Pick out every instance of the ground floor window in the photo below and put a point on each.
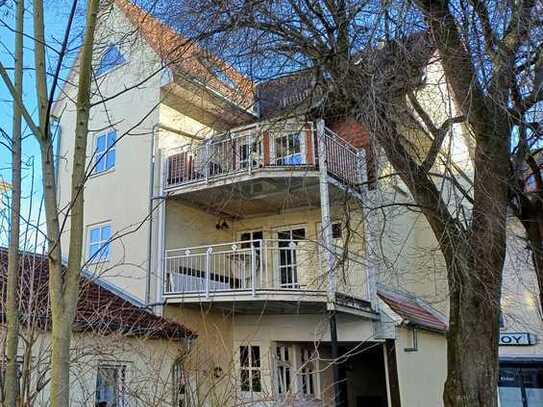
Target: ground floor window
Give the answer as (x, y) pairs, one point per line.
(308, 373)
(111, 386)
(250, 369)
(283, 369)
(182, 395)
(296, 371)
(521, 386)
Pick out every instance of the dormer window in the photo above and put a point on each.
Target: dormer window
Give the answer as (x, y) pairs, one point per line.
(110, 59)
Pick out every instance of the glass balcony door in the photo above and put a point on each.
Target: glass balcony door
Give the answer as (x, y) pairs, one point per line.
(288, 241)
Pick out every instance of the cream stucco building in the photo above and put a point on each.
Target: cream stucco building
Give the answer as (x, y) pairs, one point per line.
(211, 204)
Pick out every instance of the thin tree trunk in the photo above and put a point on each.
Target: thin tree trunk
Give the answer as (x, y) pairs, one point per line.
(12, 304)
(65, 288)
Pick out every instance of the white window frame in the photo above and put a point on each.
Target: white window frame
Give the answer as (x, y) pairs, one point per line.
(309, 368)
(103, 155)
(275, 135)
(122, 376)
(183, 394)
(276, 232)
(101, 241)
(297, 371)
(255, 158)
(111, 68)
(250, 368)
(284, 369)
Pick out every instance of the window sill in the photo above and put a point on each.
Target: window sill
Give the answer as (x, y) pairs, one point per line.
(115, 68)
(96, 262)
(98, 174)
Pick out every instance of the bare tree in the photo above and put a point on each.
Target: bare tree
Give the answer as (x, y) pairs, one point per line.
(12, 314)
(64, 285)
(367, 61)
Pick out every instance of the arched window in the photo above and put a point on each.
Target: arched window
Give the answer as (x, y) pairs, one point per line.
(111, 58)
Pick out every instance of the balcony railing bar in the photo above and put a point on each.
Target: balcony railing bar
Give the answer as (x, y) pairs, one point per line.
(253, 265)
(225, 156)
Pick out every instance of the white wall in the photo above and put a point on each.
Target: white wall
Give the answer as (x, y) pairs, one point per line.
(422, 373)
(120, 196)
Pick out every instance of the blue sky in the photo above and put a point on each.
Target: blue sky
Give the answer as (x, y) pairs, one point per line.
(56, 17)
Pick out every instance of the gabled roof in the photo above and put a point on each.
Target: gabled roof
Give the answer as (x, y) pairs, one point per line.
(412, 310)
(101, 310)
(184, 56)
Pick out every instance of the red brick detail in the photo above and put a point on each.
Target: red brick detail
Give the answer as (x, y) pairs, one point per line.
(309, 146)
(356, 134)
(351, 130)
(266, 147)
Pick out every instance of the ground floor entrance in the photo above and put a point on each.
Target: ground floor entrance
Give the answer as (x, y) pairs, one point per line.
(521, 384)
(303, 375)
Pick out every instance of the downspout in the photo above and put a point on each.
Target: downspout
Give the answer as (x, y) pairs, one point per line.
(150, 215)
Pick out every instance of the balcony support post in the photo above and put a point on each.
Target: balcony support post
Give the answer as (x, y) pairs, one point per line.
(253, 269)
(250, 153)
(207, 162)
(208, 270)
(326, 222)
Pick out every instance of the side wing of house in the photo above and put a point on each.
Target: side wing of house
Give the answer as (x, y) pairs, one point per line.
(126, 95)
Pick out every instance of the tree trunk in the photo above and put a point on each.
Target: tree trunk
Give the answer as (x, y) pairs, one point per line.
(472, 348)
(65, 288)
(12, 303)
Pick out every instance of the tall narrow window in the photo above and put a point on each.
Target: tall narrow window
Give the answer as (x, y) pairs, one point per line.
(111, 58)
(105, 152)
(111, 386)
(289, 256)
(308, 373)
(283, 369)
(99, 247)
(250, 153)
(249, 360)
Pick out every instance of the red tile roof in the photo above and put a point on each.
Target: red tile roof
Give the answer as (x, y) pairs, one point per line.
(413, 310)
(186, 57)
(101, 308)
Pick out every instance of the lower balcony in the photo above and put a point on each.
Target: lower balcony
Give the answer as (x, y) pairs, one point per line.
(284, 275)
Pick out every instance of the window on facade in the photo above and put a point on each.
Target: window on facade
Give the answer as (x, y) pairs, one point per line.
(105, 153)
(250, 152)
(250, 377)
(111, 58)
(288, 149)
(111, 386)
(181, 387)
(99, 247)
(283, 369)
(520, 386)
(308, 373)
(289, 256)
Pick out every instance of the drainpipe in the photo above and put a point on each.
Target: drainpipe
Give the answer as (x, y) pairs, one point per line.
(150, 215)
(330, 260)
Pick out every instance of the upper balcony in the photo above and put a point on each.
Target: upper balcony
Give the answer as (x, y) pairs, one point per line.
(261, 160)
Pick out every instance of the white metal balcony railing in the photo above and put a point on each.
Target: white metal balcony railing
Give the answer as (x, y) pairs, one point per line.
(233, 154)
(250, 266)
